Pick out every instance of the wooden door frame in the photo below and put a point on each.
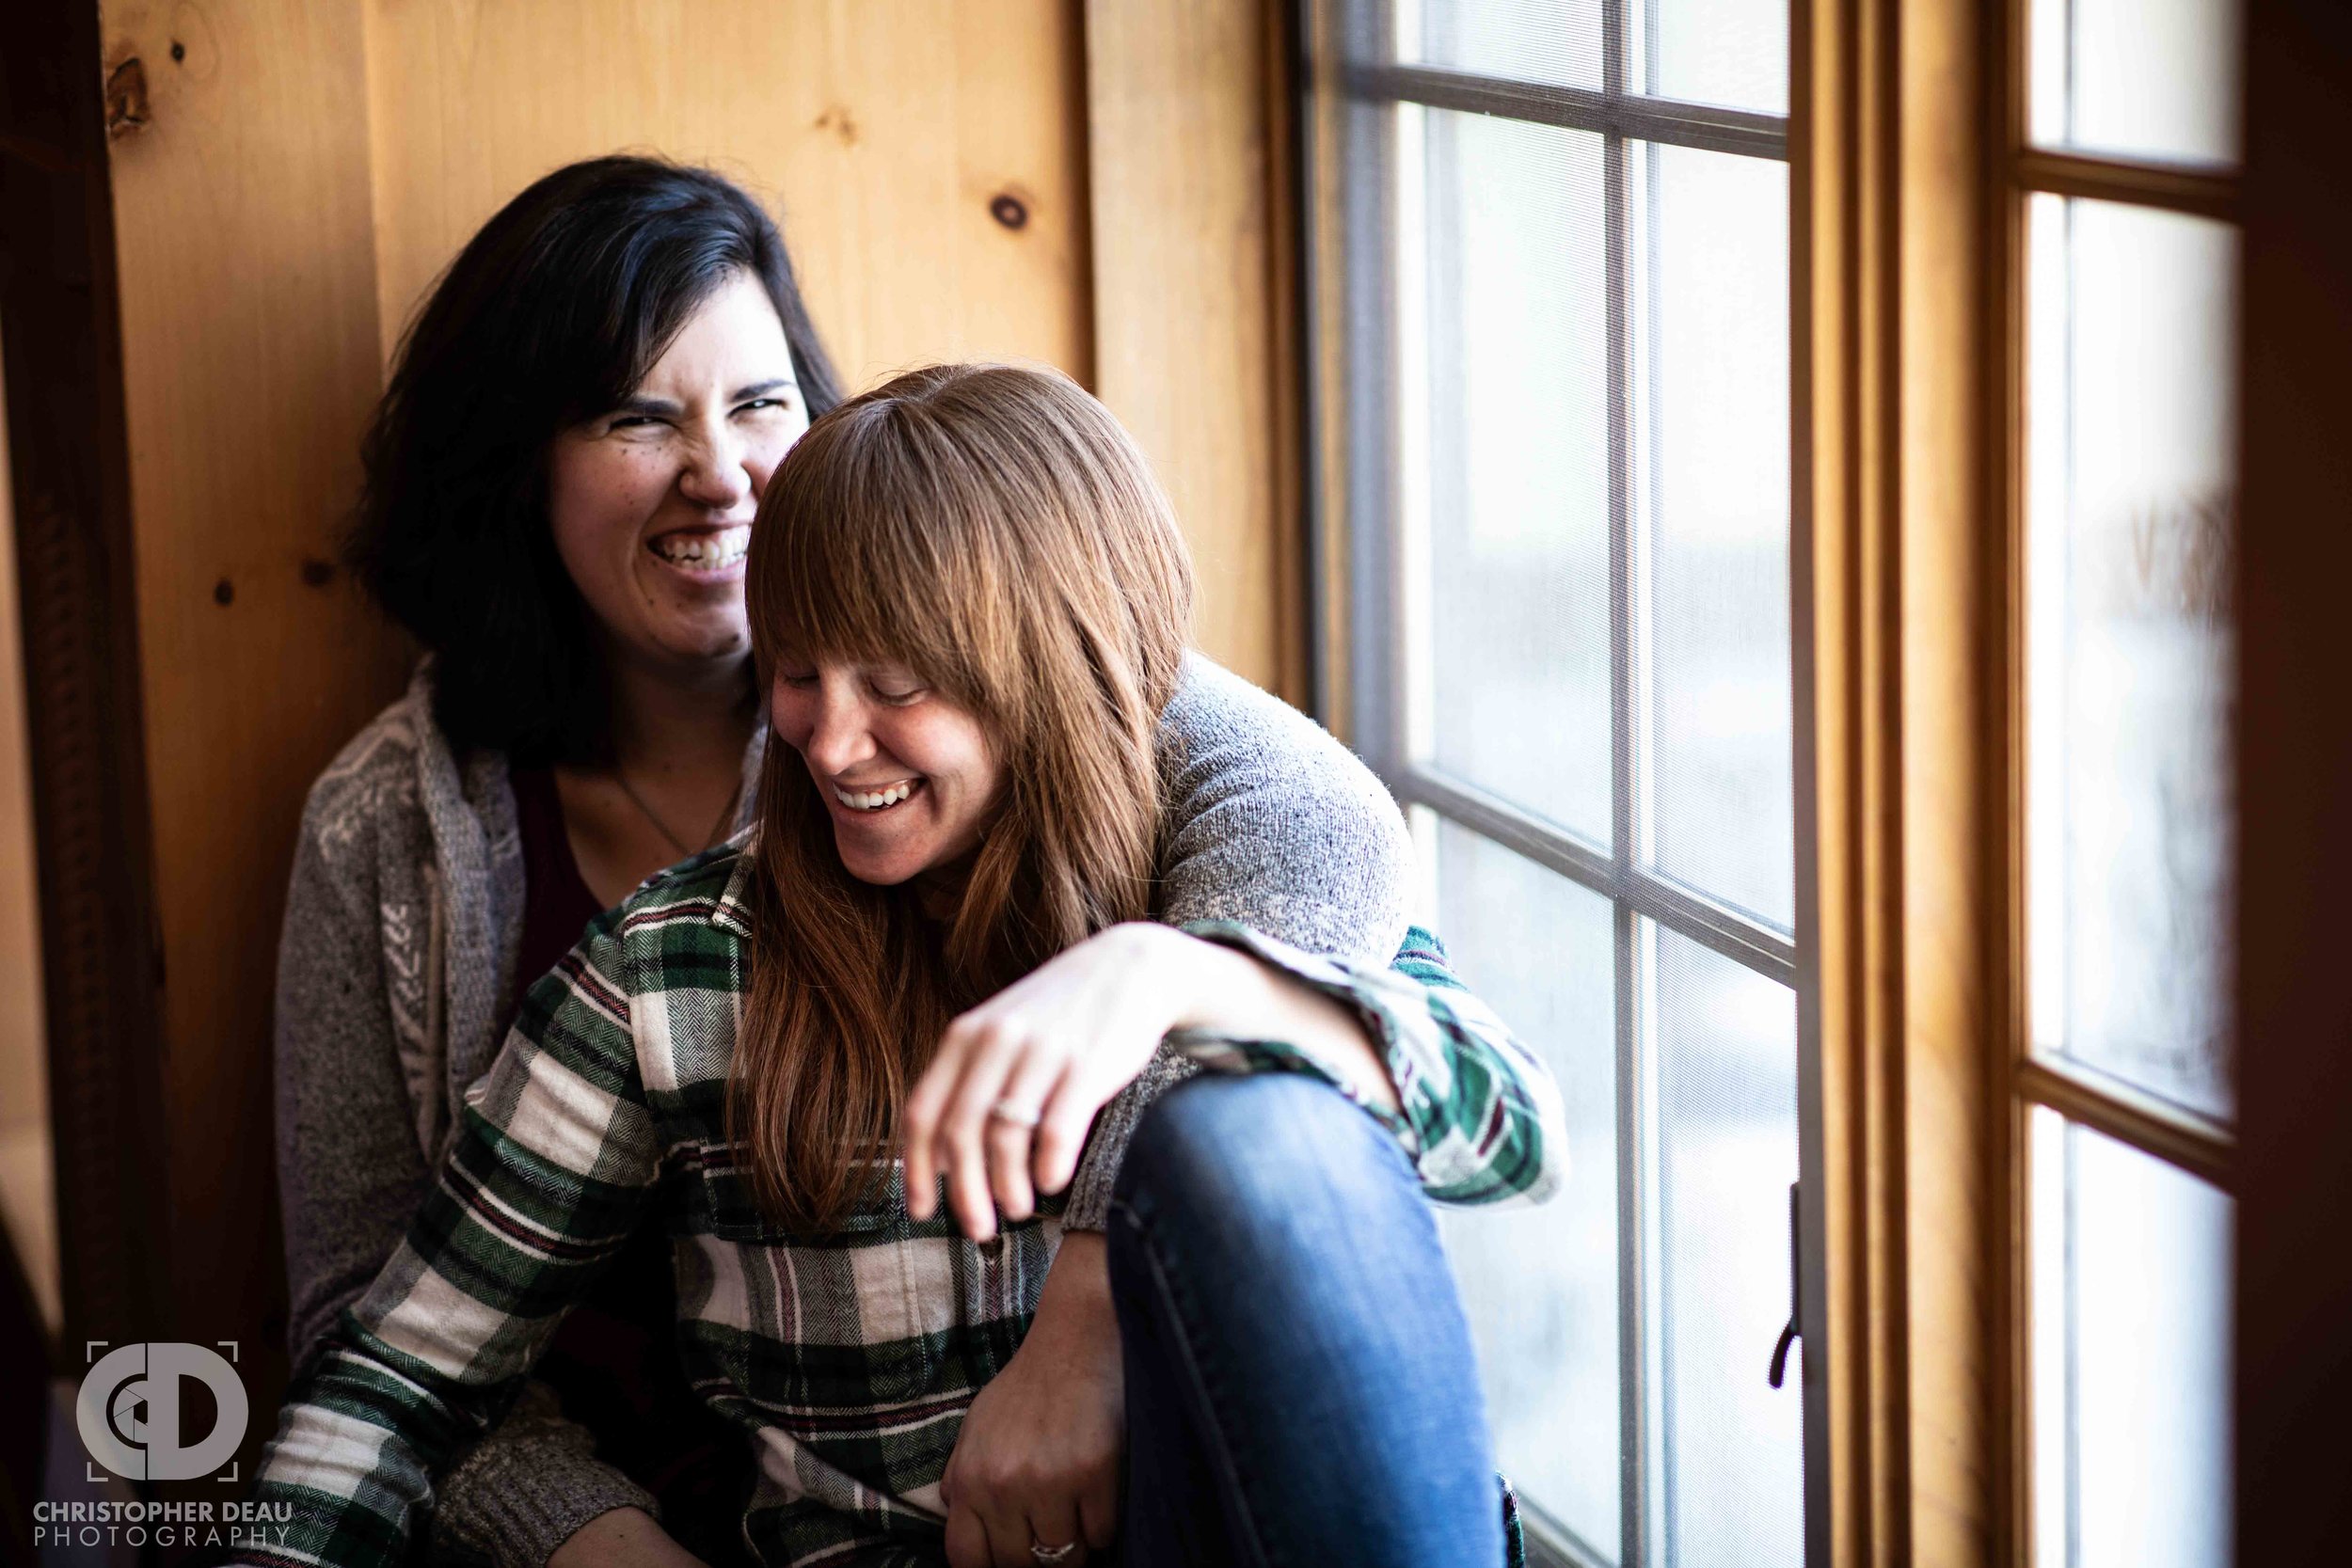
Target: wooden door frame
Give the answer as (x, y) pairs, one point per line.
(70, 473)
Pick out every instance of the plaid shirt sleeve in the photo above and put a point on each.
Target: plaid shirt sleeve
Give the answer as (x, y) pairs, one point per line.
(1478, 1111)
(553, 1162)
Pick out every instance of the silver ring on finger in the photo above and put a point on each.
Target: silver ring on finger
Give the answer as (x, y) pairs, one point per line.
(1042, 1553)
(1019, 1116)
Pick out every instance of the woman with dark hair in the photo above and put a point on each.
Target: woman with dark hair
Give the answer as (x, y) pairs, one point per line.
(847, 1061)
(560, 484)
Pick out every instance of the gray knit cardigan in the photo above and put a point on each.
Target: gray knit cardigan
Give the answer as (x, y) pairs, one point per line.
(398, 959)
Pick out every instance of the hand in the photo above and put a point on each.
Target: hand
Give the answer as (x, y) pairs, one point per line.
(1061, 1040)
(625, 1537)
(1058, 1043)
(1038, 1458)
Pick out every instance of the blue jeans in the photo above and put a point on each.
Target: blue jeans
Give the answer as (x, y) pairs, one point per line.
(1301, 1388)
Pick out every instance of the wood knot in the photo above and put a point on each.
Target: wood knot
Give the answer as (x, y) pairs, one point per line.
(224, 591)
(838, 119)
(1008, 210)
(317, 573)
(126, 98)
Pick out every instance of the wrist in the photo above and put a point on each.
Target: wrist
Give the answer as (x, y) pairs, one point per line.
(1077, 1289)
(622, 1536)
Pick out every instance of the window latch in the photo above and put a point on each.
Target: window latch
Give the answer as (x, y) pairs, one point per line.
(1789, 1335)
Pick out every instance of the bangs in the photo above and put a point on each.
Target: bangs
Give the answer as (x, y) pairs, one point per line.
(866, 550)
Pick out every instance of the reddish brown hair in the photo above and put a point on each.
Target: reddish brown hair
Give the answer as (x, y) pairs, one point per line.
(992, 529)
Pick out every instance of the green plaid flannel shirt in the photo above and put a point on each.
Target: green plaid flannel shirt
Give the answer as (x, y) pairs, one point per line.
(848, 1358)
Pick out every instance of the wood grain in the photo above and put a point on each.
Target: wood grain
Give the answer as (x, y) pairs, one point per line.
(1900, 603)
(881, 132)
(1953, 782)
(1193, 333)
(249, 361)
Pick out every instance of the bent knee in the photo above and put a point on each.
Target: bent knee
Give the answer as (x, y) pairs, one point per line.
(1261, 1149)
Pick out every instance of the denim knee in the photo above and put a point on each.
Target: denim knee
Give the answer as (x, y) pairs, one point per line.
(1263, 1153)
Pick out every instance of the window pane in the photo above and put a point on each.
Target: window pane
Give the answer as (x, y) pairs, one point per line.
(1726, 1053)
(2131, 516)
(1541, 1283)
(2129, 78)
(1714, 443)
(2131, 1270)
(1529, 41)
(1729, 52)
(1511, 685)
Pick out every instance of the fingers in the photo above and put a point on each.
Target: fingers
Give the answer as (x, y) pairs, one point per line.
(942, 1131)
(919, 1122)
(1054, 1521)
(1098, 1512)
(1030, 1087)
(1008, 1531)
(1061, 1130)
(987, 1157)
(967, 1540)
(964, 1124)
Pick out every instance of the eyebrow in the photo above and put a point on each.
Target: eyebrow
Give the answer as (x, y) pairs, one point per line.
(761, 388)
(663, 406)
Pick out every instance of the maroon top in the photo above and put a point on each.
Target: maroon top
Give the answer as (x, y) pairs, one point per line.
(615, 1362)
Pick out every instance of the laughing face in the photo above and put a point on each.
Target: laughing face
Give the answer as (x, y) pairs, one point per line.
(651, 503)
(908, 776)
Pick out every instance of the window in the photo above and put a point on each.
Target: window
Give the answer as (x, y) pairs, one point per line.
(2124, 367)
(1551, 265)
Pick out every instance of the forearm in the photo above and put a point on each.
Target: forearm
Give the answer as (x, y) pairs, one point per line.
(1474, 1108)
(1225, 993)
(1232, 994)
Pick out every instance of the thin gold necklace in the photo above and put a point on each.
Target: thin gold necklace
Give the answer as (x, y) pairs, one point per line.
(718, 829)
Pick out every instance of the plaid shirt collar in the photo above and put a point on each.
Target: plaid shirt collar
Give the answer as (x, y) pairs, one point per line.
(733, 912)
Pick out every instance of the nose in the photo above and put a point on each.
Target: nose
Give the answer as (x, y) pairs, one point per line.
(718, 474)
(840, 737)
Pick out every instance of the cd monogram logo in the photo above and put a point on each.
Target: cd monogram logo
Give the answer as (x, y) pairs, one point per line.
(130, 1407)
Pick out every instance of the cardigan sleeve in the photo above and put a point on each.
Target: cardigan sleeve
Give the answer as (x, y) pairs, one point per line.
(1273, 825)
(350, 1174)
(424, 1372)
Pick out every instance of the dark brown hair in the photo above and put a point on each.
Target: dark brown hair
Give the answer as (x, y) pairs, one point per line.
(552, 313)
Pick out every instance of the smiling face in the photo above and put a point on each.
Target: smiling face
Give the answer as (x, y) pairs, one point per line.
(651, 503)
(908, 777)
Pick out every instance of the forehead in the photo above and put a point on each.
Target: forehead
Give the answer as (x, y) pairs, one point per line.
(733, 336)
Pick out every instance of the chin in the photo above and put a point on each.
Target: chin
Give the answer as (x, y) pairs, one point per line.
(703, 643)
(876, 871)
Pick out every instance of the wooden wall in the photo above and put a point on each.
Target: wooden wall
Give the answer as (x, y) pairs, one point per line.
(288, 178)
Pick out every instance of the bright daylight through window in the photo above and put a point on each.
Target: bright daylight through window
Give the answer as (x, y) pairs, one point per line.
(1565, 289)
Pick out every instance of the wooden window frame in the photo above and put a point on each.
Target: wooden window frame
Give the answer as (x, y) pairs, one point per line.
(1914, 170)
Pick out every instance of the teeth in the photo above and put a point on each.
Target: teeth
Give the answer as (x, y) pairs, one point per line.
(706, 552)
(874, 800)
